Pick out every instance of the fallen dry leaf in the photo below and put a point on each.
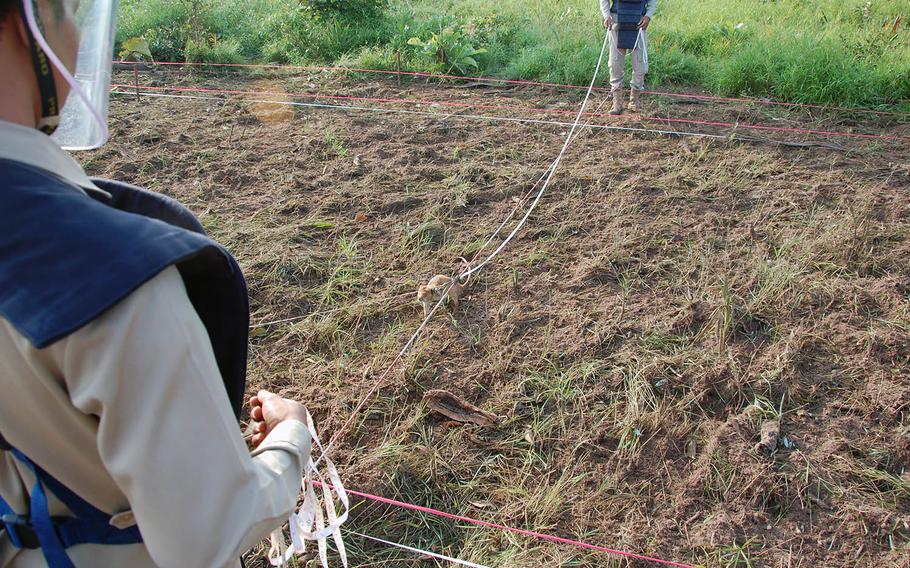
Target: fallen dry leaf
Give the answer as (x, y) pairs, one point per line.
(455, 408)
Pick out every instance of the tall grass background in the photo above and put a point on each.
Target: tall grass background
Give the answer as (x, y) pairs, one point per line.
(849, 52)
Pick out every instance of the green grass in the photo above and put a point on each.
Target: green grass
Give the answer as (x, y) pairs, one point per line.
(827, 51)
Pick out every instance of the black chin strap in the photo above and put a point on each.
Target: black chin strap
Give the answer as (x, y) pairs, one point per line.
(44, 73)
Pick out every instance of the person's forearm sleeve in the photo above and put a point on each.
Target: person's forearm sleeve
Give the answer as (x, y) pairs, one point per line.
(168, 437)
(605, 8)
(650, 8)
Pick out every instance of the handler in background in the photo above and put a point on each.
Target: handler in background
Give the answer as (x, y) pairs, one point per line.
(122, 347)
(627, 22)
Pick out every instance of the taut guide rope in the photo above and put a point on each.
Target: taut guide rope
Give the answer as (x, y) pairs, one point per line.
(309, 523)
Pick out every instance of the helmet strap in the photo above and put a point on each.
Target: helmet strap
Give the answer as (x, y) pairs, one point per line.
(44, 74)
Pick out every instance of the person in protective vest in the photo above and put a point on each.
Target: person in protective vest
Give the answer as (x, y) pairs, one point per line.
(123, 339)
(627, 22)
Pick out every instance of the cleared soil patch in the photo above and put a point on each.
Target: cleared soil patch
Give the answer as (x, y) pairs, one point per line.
(669, 298)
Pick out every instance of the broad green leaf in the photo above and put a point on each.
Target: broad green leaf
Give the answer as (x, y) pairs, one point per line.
(135, 49)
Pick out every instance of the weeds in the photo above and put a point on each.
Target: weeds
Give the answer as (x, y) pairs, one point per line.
(334, 144)
(631, 362)
(783, 50)
(345, 276)
(732, 556)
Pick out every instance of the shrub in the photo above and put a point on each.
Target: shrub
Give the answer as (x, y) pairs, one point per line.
(353, 9)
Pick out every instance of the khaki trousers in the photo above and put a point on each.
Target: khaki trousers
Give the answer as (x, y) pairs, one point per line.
(618, 61)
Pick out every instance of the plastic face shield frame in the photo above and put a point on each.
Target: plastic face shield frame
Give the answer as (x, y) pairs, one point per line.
(83, 119)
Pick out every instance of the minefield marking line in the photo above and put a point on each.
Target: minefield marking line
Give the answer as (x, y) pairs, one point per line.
(524, 532)
(459, 116)
(746, 100)
(732, 137)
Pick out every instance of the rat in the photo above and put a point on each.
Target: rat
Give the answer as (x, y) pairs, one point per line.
(438, 286)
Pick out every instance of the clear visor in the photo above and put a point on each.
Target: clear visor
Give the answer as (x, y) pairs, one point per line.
(83, 119)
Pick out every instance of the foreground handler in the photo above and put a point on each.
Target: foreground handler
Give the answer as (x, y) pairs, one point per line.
(123, 336)
(627, 22)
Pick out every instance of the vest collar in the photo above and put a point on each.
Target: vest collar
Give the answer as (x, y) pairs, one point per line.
(34, 148)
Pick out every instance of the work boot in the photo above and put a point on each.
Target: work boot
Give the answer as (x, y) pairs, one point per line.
(617, 102)
(635, 100)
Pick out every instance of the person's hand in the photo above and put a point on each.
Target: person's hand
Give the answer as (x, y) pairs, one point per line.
(608, 23)
(267, 410)
(644, 22)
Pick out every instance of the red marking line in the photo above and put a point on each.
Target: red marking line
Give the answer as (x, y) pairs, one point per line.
(747, 126)
(533, 534)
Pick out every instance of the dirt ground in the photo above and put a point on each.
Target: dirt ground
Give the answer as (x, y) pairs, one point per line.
(669, 300)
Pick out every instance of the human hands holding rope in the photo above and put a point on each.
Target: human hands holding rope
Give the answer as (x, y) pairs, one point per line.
(608, 23)
(267, 410)
(644, 22)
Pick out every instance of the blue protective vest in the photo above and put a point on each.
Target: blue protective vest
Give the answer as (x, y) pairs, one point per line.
(65, 260)
(628, 15)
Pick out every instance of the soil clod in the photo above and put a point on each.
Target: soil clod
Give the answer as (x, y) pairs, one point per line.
(770, 434)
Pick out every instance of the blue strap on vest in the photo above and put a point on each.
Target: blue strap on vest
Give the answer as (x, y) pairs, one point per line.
(628, 15)
(8, 519)
(54, 535)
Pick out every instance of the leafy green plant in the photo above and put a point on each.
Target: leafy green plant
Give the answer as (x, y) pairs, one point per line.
(334, 145)
(450, 49)
(135, 49)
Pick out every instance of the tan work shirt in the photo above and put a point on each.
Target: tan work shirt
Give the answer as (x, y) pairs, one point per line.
(130, 412)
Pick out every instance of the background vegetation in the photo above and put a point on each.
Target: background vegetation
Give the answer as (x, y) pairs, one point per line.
(853, 52)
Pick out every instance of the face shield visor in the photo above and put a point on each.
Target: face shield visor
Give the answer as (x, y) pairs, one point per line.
(83, 119)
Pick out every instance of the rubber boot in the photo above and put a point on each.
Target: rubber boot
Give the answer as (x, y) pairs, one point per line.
(617, 102)
(635, 100)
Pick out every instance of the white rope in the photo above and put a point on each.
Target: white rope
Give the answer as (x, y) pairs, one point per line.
(524, 199)
(401, 354)
(421, 551)
(552, 169)
(442, 296)
(278, 555)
